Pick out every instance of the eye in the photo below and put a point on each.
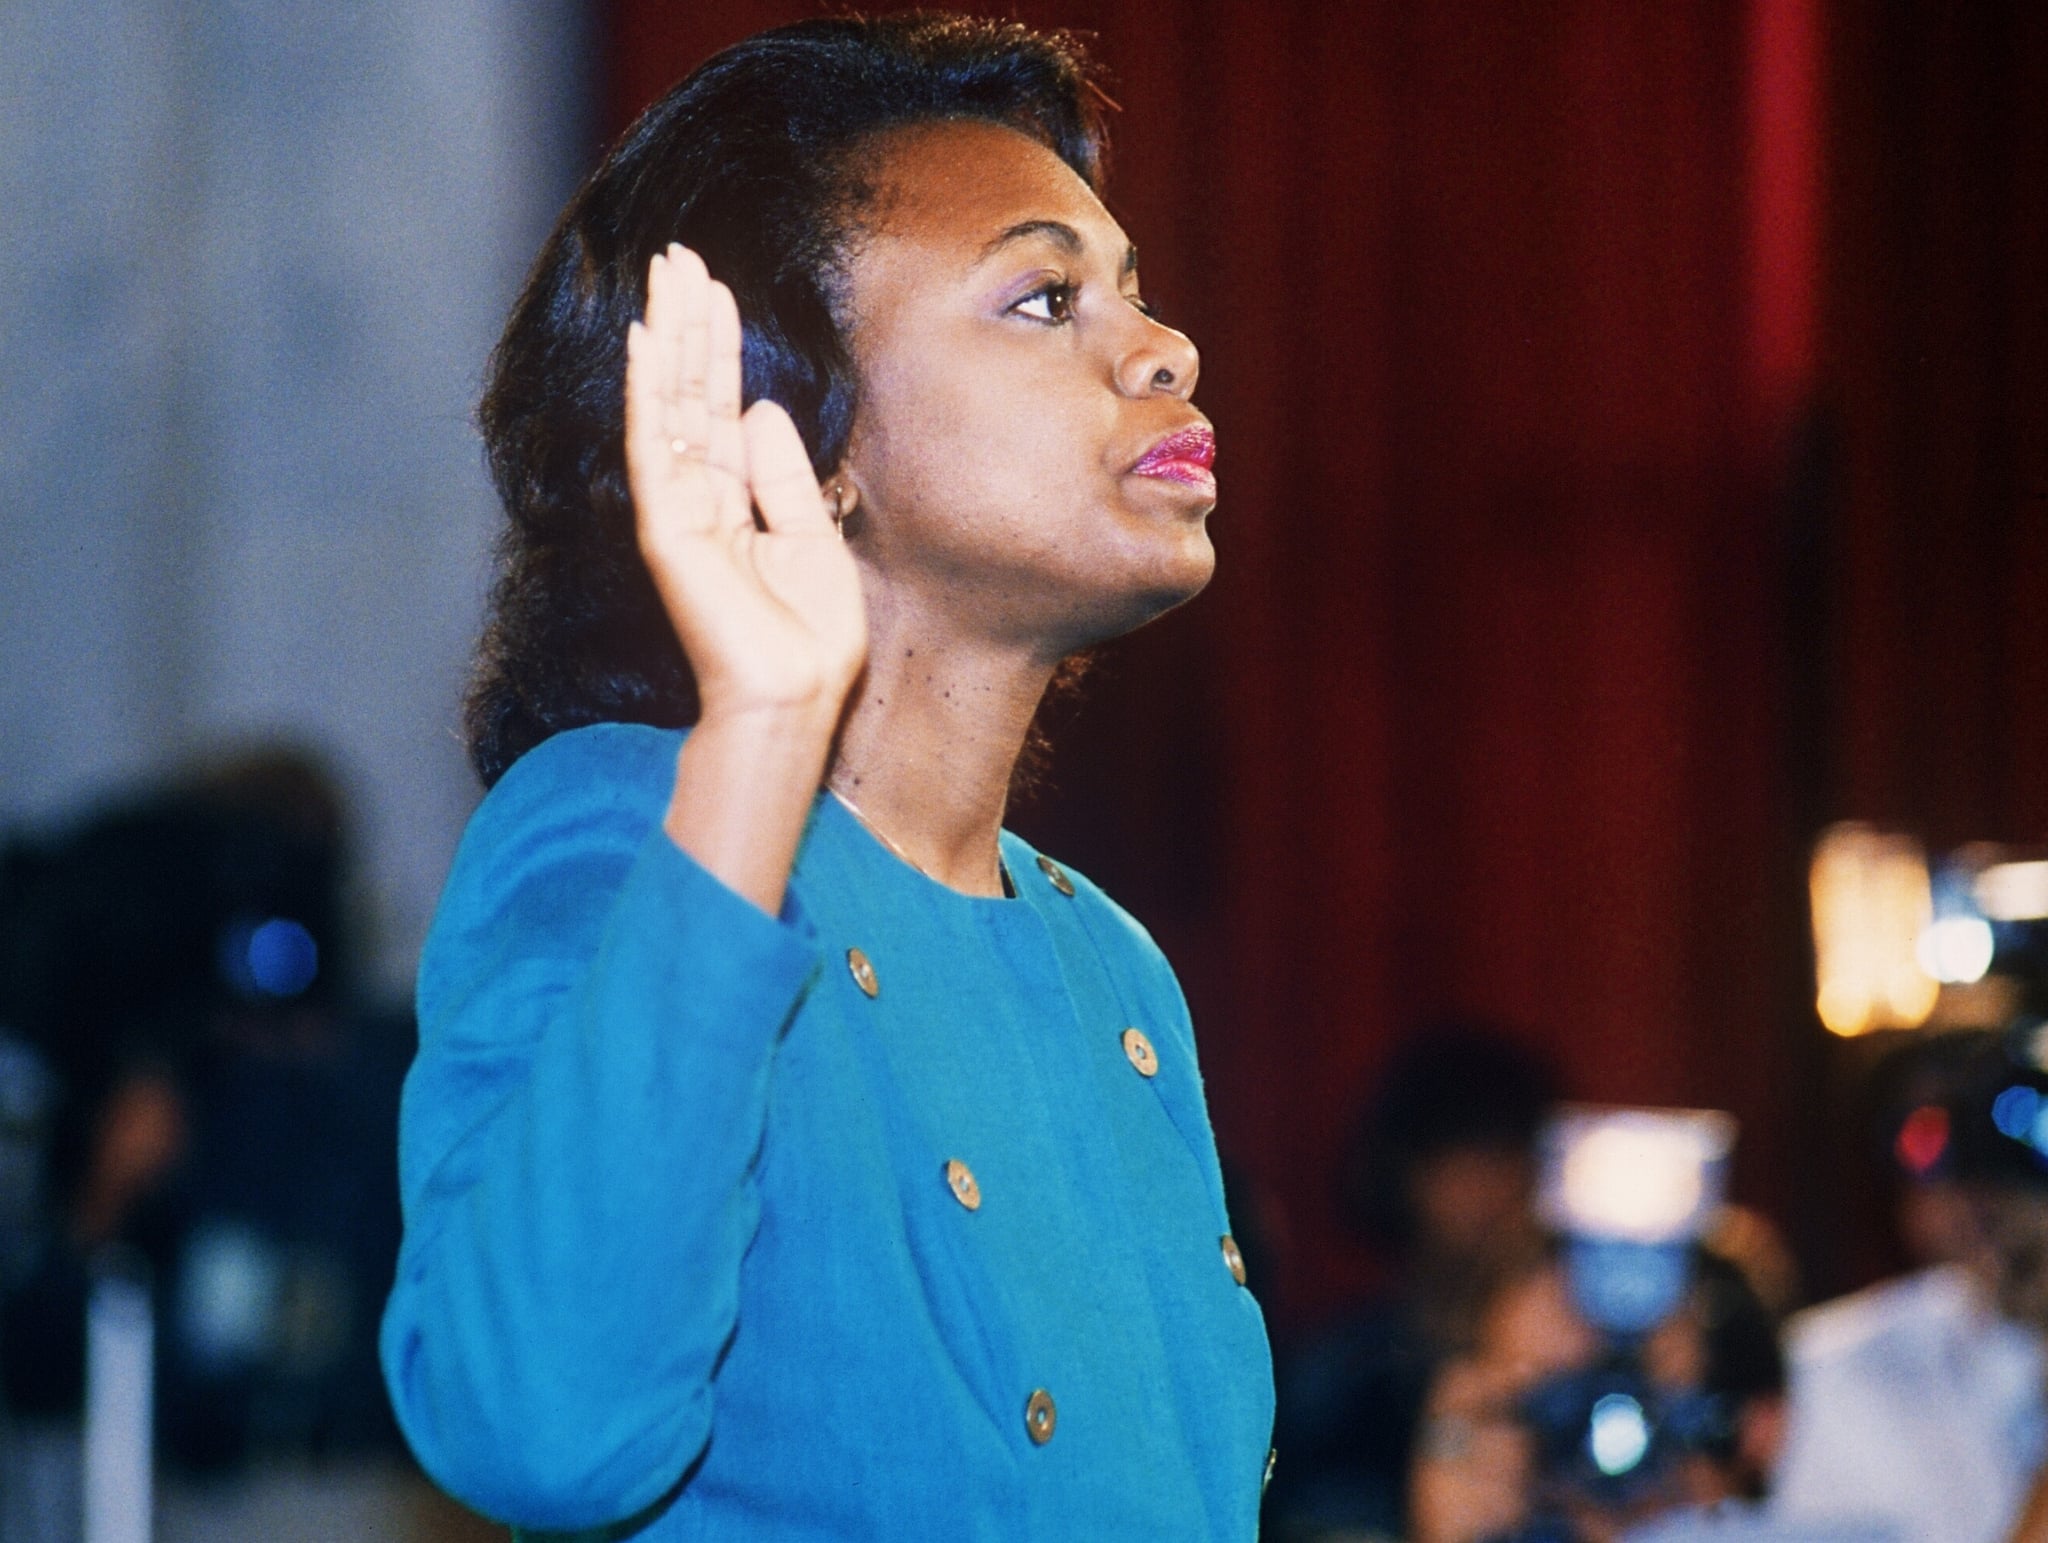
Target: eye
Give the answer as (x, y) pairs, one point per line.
(1052, 303)
(1143, 307)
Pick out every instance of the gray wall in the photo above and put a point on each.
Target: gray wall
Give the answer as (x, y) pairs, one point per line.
(252, 257)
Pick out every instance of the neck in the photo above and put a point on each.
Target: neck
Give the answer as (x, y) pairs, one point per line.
(930, 742)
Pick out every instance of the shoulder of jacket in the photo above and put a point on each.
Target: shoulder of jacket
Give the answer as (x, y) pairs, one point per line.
(598, 789)
(591, 775)
(633, 753)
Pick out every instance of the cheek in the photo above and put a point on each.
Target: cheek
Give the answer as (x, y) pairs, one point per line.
(986, 447)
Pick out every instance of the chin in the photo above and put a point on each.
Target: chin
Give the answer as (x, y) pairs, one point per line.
(1172, 579)
(1193, 561)
(1192, 574)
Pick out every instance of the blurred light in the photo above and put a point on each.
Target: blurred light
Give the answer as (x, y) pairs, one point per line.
(228, 1295)
(1871, 901)
(1956, 950)
(1631, 1185)
(1922, 1139)
(1618, 1434)
(2016, 1112)
(2014, 892)
(1637, 1175)
(273, 958)
(283, 958)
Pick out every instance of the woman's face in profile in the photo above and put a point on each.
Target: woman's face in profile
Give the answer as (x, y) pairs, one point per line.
(1011, 385)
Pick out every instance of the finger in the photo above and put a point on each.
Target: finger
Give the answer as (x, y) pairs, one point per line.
(647, 383)
(672, 275)
(650, 461)
(646, 446)
(670, 492)
(656, 313)
(650, 362)
(688, 338)
(693, 314)
(722, 368)
(725, 450)
(779, 472)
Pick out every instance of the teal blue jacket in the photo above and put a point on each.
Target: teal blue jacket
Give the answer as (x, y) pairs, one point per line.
(705, 1238)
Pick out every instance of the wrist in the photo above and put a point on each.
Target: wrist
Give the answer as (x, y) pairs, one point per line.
(770, 723)
(745, 782)
(762, 756)
(794, 696)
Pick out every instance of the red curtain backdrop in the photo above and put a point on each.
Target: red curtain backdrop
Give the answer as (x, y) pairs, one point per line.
(1626, 468)
(1929, 630)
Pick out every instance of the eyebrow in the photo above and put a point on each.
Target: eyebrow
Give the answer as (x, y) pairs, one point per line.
(1060, 234)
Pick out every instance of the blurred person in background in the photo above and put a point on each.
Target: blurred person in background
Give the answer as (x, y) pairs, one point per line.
(212, 1099)
(1530, 1436)
(1919, 1401)
(1440, 1178)
(1915, 1094)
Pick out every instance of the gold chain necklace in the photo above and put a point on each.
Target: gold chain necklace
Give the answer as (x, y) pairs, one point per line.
(1008, 889)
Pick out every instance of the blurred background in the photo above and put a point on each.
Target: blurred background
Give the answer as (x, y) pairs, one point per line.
(1634, 449)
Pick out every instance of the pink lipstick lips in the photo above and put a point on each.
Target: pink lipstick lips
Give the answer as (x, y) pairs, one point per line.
(1185, 457)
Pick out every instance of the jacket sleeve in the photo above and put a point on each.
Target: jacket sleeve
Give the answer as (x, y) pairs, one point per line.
(598, 1021)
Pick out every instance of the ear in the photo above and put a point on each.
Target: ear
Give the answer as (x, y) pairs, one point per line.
(842, 497)
(843, 477)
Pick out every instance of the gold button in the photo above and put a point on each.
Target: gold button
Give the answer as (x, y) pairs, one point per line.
(1272, 1456)
(1233, 1258)
(1140, 1050)
(1040, 1416)
(1057, 874)
(863, 973)
(960, 1180)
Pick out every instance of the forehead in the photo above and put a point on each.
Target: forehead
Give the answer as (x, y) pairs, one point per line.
(952, 187)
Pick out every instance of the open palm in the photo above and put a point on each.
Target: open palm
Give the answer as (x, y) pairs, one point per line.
(768, 612)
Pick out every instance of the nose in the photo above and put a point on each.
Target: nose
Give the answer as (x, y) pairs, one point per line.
(1161, 362)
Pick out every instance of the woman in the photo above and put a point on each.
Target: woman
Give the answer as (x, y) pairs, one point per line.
(792, 1152)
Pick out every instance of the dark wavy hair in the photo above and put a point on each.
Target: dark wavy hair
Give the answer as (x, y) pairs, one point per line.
(756, 161)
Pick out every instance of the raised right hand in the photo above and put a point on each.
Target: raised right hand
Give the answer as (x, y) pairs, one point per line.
(768, 614)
